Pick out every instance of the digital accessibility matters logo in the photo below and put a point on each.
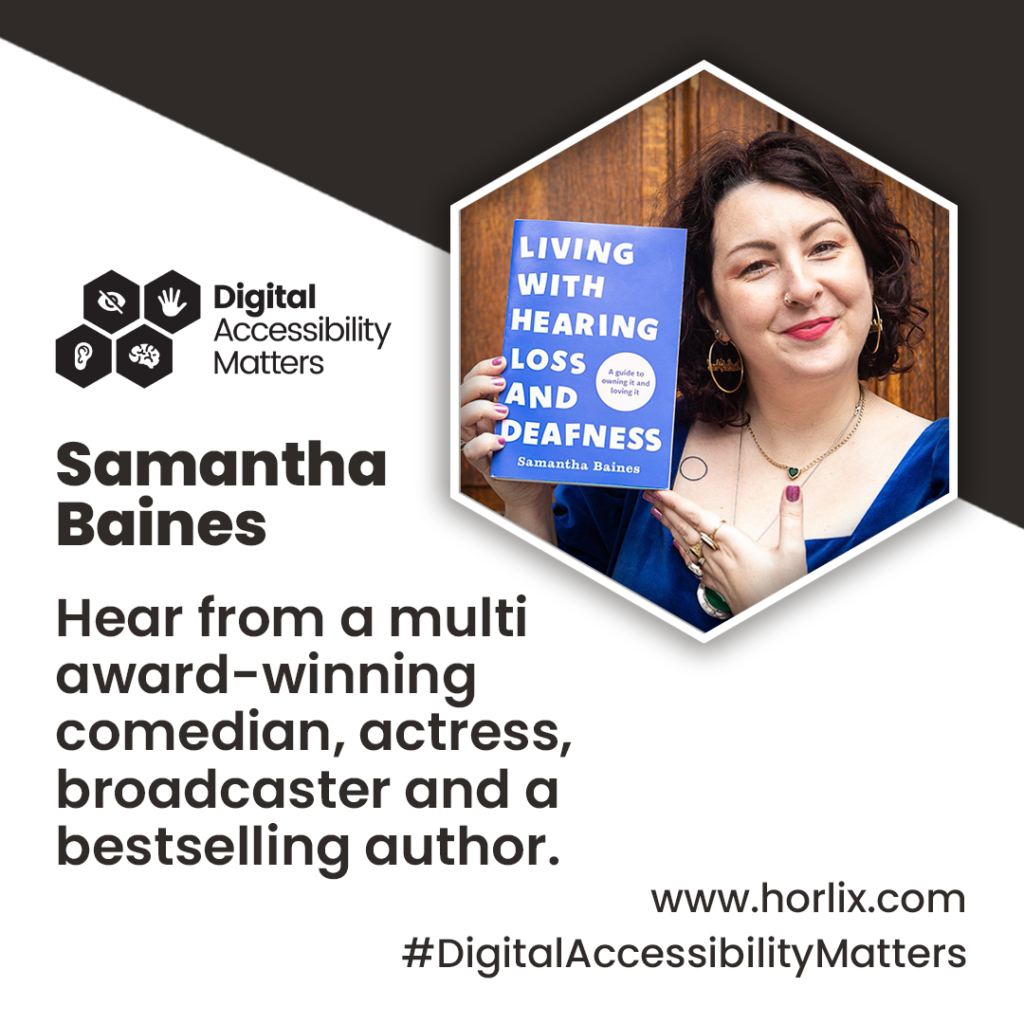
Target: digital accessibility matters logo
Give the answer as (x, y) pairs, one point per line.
(114, 340)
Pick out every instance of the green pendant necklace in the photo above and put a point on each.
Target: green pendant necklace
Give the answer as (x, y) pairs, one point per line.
(793, 471)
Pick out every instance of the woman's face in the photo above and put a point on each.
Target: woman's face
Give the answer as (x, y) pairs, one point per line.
(771, 242)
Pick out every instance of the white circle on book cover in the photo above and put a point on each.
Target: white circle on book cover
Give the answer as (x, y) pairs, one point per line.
(625, 382)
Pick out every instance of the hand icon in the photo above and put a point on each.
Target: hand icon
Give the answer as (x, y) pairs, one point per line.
(170, 302)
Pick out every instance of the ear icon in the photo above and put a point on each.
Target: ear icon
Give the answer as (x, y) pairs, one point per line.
(83, 353)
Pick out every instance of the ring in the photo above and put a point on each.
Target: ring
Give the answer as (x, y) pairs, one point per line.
(712, 603)
(697, 550)
(710, 540)
(695, 569)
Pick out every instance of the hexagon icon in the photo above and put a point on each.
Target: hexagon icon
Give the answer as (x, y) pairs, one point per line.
(83, 356)
(673, 158)
(144, 356)
(111, 302)
(172, 302)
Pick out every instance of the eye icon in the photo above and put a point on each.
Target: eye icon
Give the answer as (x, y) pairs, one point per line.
(112, 302)
(83, 353)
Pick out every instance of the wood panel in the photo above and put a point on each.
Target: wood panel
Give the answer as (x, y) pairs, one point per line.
(621, 175)
(940, 310)
(723, 108)
(656, 134)
(916, 390)
(599, 179)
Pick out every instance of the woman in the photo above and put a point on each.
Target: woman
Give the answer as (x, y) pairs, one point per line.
(797, 288)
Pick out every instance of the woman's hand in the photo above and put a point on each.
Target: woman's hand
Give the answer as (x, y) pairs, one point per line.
(741, 570)
(524, 502)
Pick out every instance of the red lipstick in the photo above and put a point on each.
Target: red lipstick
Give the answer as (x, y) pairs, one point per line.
(811, 330)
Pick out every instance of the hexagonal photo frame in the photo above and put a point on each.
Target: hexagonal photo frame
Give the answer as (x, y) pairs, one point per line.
(635, 167)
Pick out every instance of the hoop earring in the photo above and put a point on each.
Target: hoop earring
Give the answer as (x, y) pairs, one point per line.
(876, 326)
(725, 367)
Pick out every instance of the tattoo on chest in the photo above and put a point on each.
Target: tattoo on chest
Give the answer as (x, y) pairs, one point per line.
(693, 467)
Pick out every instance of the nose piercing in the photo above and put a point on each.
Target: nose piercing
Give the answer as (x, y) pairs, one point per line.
(787, 300)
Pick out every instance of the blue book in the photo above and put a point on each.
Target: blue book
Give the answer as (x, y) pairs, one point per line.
(592, 351)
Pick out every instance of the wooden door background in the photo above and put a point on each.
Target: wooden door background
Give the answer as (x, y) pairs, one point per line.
(618, 176)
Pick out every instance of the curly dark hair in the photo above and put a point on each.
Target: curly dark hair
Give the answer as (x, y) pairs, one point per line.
(799, 163)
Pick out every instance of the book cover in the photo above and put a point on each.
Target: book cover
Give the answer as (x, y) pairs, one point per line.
(591, 349)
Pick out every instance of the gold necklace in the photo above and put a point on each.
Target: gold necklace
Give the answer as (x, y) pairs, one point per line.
(793, 471)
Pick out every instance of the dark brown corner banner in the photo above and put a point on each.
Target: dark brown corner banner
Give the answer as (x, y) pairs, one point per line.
(401, 113)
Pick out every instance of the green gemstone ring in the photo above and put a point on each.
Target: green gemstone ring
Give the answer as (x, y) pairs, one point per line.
(712, 603)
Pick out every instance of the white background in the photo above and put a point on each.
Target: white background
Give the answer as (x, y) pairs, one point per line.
(862, 730)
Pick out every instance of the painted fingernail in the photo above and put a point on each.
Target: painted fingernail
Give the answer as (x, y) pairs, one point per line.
(675, 544)
(498, 361)
(792, 493)
(648, 496)
(498, 382)
(655, 513)
(501, 442)
(501, 409)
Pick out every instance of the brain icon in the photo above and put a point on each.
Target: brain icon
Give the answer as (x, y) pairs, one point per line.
(145, 354)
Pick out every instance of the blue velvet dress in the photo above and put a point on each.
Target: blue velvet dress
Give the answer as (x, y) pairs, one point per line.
(613, 531)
